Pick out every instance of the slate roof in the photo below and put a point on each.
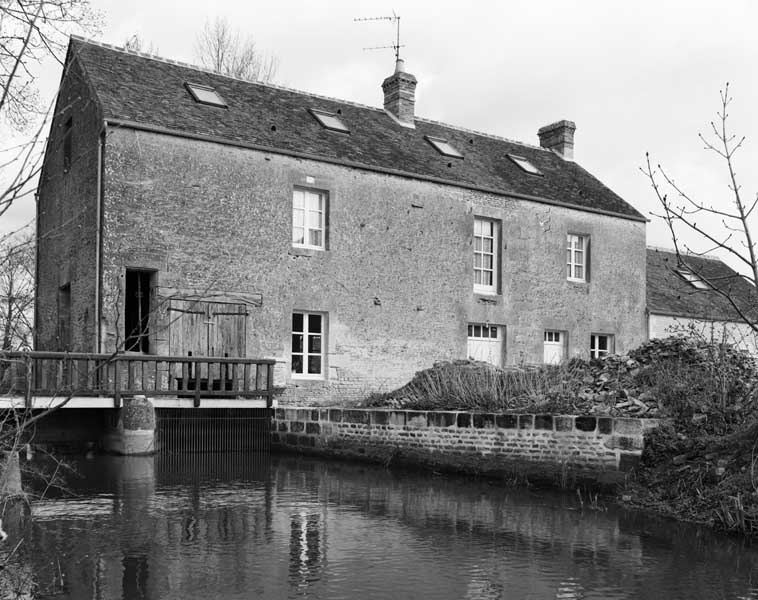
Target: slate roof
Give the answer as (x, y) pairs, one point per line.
(135, 89)
(668, 293)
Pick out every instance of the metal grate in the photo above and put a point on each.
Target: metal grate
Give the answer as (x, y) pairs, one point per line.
(213, 429)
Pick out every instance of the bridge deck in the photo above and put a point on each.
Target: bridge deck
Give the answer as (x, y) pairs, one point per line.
(42, 379)
(45, 402)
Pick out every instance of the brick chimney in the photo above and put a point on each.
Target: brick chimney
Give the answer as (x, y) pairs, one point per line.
(400, 94)
(559, 137)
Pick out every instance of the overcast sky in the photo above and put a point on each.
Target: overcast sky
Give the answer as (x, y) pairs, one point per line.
(634, 76)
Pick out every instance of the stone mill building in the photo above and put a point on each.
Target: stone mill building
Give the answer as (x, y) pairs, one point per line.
(182, 211)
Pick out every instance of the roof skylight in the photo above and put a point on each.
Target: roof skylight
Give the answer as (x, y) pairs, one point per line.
(525, 165)
(329, 120)
(443, 147)
(693, 279)
(205, 94)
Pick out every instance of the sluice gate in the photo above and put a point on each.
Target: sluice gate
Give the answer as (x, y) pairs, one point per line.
(213, 430)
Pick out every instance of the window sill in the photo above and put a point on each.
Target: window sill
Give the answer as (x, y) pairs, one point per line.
(300, 251)
(488, 297)
(299, 379)
(577, 281)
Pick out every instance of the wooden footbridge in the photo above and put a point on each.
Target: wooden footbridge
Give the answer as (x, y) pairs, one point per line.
(40, 380)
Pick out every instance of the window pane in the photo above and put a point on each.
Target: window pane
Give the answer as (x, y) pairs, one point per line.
(478, 261)
(493, 333)
(478, 277)
(297, 321)
(314, 365)
(487, 246)
(487, 228)
(297, 364)
(298, 234)
(603, 342)
(477, 244)
(314, 220)
(297, 199)
(477, 227)
(298, 218)
(314, 323)
(487, 262)
(477, 331)
(314, 344)
(470, 330)
(297, 342)
(315, 237)
(486, 278)
(314, 202)
(579, 272)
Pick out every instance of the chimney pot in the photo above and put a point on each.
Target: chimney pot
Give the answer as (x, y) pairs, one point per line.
(559, 137)
(400, 94)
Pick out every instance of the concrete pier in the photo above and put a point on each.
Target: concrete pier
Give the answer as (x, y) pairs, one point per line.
(133, 429)
(10, 475)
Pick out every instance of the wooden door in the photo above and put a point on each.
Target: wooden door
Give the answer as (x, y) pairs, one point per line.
(207, 328)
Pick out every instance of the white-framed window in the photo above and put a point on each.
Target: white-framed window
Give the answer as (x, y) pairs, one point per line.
(443, 147)
(524, 164)
(601, 344)
(485, 343)
(694, 280)
(486, 242)
(329, 120)
(205, 94)
(554, 347)
(576, 257)
(308, 335)
(309, 219)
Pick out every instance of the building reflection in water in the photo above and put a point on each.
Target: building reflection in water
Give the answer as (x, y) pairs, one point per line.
(196, 527)
(307, 549)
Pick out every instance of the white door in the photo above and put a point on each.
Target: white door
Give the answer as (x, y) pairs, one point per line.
(485, 343)
(555, 344)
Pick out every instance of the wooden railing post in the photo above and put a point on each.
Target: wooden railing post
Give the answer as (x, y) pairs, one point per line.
(28, 365)
(198, 373)
(116, 384)
(270, 386)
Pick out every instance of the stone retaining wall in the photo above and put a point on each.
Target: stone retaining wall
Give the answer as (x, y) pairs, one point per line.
(542, 446)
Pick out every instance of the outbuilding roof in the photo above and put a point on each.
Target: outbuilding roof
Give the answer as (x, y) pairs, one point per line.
(142, 91)
(673, 290)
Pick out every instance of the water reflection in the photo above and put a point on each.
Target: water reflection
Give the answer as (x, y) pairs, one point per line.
(234, 526)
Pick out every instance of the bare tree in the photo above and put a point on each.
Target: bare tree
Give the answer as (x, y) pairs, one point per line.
(135, 43)
(31, 32)
(721, 226)
(16, 292)
(221, 48)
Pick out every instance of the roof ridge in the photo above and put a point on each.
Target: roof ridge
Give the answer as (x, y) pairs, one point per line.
(692, 254)
(297, 91)
(482, 133)
(201, 69)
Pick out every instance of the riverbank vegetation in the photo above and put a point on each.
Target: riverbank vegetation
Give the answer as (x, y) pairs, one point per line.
(700, 465)
(676, 377)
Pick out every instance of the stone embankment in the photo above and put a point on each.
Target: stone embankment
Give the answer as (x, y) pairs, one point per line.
(545, 448)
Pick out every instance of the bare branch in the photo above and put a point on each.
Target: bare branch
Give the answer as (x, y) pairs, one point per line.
(220, 48)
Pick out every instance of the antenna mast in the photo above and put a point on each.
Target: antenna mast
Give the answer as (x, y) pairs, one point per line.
(397, 45)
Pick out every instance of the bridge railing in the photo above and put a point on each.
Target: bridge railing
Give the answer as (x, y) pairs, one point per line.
(115, 375)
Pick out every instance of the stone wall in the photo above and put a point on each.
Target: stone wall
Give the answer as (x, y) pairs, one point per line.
(67, 221)
(395, 281)
(543, 446)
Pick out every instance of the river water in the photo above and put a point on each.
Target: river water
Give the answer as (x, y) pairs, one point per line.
(229, 526)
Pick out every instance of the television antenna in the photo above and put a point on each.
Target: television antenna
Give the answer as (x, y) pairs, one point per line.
(393, 19)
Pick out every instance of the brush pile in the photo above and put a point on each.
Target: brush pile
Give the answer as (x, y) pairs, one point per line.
(679, 377)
